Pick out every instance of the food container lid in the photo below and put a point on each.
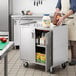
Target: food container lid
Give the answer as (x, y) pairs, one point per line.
(46, 14)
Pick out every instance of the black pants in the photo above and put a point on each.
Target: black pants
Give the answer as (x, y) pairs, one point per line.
(73, 50)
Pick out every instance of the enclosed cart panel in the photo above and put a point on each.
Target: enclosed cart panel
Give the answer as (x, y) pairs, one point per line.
(60, 45)
(59, 50)
(27, 44)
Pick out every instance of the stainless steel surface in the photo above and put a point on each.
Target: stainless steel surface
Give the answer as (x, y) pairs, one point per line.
(48, 50)
(27, 44)
(3, 54)
(6, 50)
(4, 15)
(60, 45)
(56, 49)
(28, 22)
(28, 47)
(5, 66)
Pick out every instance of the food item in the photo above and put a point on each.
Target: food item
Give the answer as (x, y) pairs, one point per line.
(43, 58)
(38, 57)
(56, 18)
(28, 12)
(3, 39)
(46, 20)
(0, 38)
(43, 39)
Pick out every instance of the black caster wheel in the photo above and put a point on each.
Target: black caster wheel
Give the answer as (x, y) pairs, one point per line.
(25, 64)
(63, 65)
(52, 70)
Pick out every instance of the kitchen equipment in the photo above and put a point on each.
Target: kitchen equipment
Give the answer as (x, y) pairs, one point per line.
(34, 3)
(4, 15)
(23, 13)
(38, 2)
(50, 55)
(41, 2)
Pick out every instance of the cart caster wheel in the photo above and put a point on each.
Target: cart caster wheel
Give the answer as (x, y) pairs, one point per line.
(25, 64)
(52, 70)
(63, 65)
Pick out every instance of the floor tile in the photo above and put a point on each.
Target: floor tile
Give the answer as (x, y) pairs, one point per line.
(16, 68)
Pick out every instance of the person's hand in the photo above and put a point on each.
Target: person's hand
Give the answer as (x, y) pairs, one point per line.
(61, 19)
(55, 14)
(56, 18)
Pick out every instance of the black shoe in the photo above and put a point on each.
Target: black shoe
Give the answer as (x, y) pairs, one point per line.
(72, 63)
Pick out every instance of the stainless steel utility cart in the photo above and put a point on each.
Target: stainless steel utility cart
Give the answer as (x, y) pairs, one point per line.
(50, 51)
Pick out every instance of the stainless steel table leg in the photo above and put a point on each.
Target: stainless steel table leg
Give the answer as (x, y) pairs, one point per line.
(5, 66)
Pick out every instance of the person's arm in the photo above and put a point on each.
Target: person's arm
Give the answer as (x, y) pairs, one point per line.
(58, 9)
(58, 6)
(70, 12)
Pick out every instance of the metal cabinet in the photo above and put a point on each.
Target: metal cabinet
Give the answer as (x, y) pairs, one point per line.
(59, 47)
(29, 48)
(17, 23)
(16, 33)
(51, 53)
(27, 45)
(4, 15)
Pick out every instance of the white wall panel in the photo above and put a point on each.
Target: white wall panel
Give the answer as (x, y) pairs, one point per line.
(48, 6)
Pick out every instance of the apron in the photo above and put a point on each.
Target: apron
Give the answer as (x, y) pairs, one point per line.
(65, 6)
(70, 22)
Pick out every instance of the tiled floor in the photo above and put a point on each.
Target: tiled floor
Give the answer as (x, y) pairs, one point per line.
(15, 68)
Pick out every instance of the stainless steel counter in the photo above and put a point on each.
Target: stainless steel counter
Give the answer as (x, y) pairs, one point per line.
(26, 16)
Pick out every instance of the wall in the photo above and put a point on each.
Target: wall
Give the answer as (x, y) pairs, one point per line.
(48, 6)
(4, 15)
(5, 11)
